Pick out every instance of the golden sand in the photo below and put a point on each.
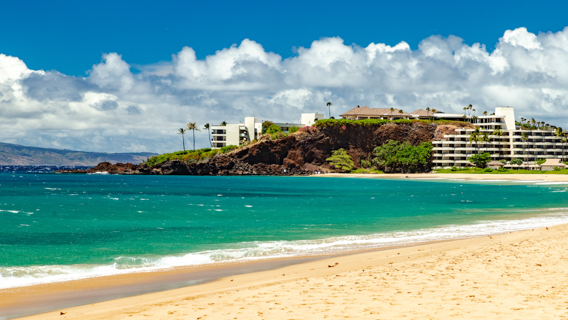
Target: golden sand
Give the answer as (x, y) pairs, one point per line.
(522, 275)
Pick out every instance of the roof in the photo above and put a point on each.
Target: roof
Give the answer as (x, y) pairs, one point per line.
(495, 163)
(366, 111)
(553, 162)
(424, 113)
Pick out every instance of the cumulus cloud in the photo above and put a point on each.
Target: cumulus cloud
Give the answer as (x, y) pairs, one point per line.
(113, 109)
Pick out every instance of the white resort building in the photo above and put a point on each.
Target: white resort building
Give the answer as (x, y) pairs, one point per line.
(251, 129)
(506, 141)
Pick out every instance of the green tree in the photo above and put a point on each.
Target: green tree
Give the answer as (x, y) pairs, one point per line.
(499, 133)
(182, 132)
(207, 127)
(193, 126)
(525, 138)
(341, 160)
(480, 160)
(265, 125)
(516, 161)
(273, 129)
(224, 123)
(393, 156)
(293, 129)
(475, 137)
(329, 109)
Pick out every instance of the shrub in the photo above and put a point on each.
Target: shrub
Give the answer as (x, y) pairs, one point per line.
(266, 125)
(502, 169)
(503, 161)
(454, 168)
(273, 129)
(557, 168)
(487, 170)
(395, 155)
(365, 163)
(540, 161)
(516, 161)
(480, 160)
(341, 160)
(228, 148)
(293, 129)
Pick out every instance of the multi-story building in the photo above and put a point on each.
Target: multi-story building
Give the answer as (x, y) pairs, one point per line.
(251, 129)
(506, 142)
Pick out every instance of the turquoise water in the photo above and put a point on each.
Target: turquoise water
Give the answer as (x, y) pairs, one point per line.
(60, 227)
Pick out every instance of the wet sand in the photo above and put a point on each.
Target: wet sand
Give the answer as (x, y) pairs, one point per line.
(521, 275)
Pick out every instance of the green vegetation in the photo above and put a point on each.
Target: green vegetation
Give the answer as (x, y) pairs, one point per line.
(500, 171)
(480, 160)
(272, 129)
(323, 123)
(341, 160)
(266, 125)
(540, 161)
(189, 156)
(367, 171)
(293, 129)
(516, 161)
(394, 156)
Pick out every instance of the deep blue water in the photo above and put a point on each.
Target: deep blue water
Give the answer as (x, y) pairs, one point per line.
(62, 226)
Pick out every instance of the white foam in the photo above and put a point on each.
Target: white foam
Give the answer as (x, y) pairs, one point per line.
(247, 251)
(102, 172)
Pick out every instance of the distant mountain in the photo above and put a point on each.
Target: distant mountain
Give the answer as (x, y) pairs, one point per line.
(13, 154)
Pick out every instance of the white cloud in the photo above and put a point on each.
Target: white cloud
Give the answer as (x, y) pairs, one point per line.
(112, 109)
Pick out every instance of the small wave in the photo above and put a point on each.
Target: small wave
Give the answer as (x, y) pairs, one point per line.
(102, 172)
(249, 251)
(550, 183)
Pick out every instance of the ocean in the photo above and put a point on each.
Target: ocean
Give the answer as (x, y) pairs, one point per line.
(58, 227)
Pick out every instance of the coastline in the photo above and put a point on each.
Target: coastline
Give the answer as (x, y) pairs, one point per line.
(453, 176)
(142, 284)
(519, 274)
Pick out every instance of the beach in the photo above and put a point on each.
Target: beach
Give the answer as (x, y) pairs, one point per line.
(519, 275)
(460, 176)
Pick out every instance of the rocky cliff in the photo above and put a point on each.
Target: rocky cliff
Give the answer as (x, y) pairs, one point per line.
(298, 154)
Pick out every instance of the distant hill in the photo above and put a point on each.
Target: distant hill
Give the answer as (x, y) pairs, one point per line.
(13, 154)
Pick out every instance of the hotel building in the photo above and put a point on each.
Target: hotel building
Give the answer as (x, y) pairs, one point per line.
(251, 129)
(512, 143)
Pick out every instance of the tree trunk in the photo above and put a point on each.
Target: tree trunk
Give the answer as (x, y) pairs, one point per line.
(209, 133)
(183, 139)
(193, 139)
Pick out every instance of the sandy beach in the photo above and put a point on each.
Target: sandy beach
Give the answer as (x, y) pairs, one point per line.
(521, 275)
(465, 176)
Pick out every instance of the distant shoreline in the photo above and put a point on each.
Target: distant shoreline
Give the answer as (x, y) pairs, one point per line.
(453, 176)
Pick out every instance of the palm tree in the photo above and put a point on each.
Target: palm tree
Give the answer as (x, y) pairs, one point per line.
(485, 138)
(559, 134)
(207, 127)
(433, 111)
(564, 139)
(193, 126)
(182, 132)
(400, 112)
(484, 113)
(329, 109)
(392, 110)
(499, 134)
(525, 138)
(474, 137)
(224, 123)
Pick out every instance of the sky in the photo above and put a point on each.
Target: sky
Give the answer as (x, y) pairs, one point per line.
(124, 76)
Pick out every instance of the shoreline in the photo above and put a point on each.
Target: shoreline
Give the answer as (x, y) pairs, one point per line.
(428, 280)
(105, 288)
(453, 176)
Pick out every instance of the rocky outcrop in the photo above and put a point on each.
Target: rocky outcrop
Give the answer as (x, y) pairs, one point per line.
(298, 154)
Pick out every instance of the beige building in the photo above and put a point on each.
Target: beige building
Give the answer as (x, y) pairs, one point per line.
(513, 143)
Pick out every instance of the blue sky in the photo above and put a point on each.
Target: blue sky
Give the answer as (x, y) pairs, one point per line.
(124, 76)
(71, 36)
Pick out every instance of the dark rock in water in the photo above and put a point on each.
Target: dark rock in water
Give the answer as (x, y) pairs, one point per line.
(302, 153)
